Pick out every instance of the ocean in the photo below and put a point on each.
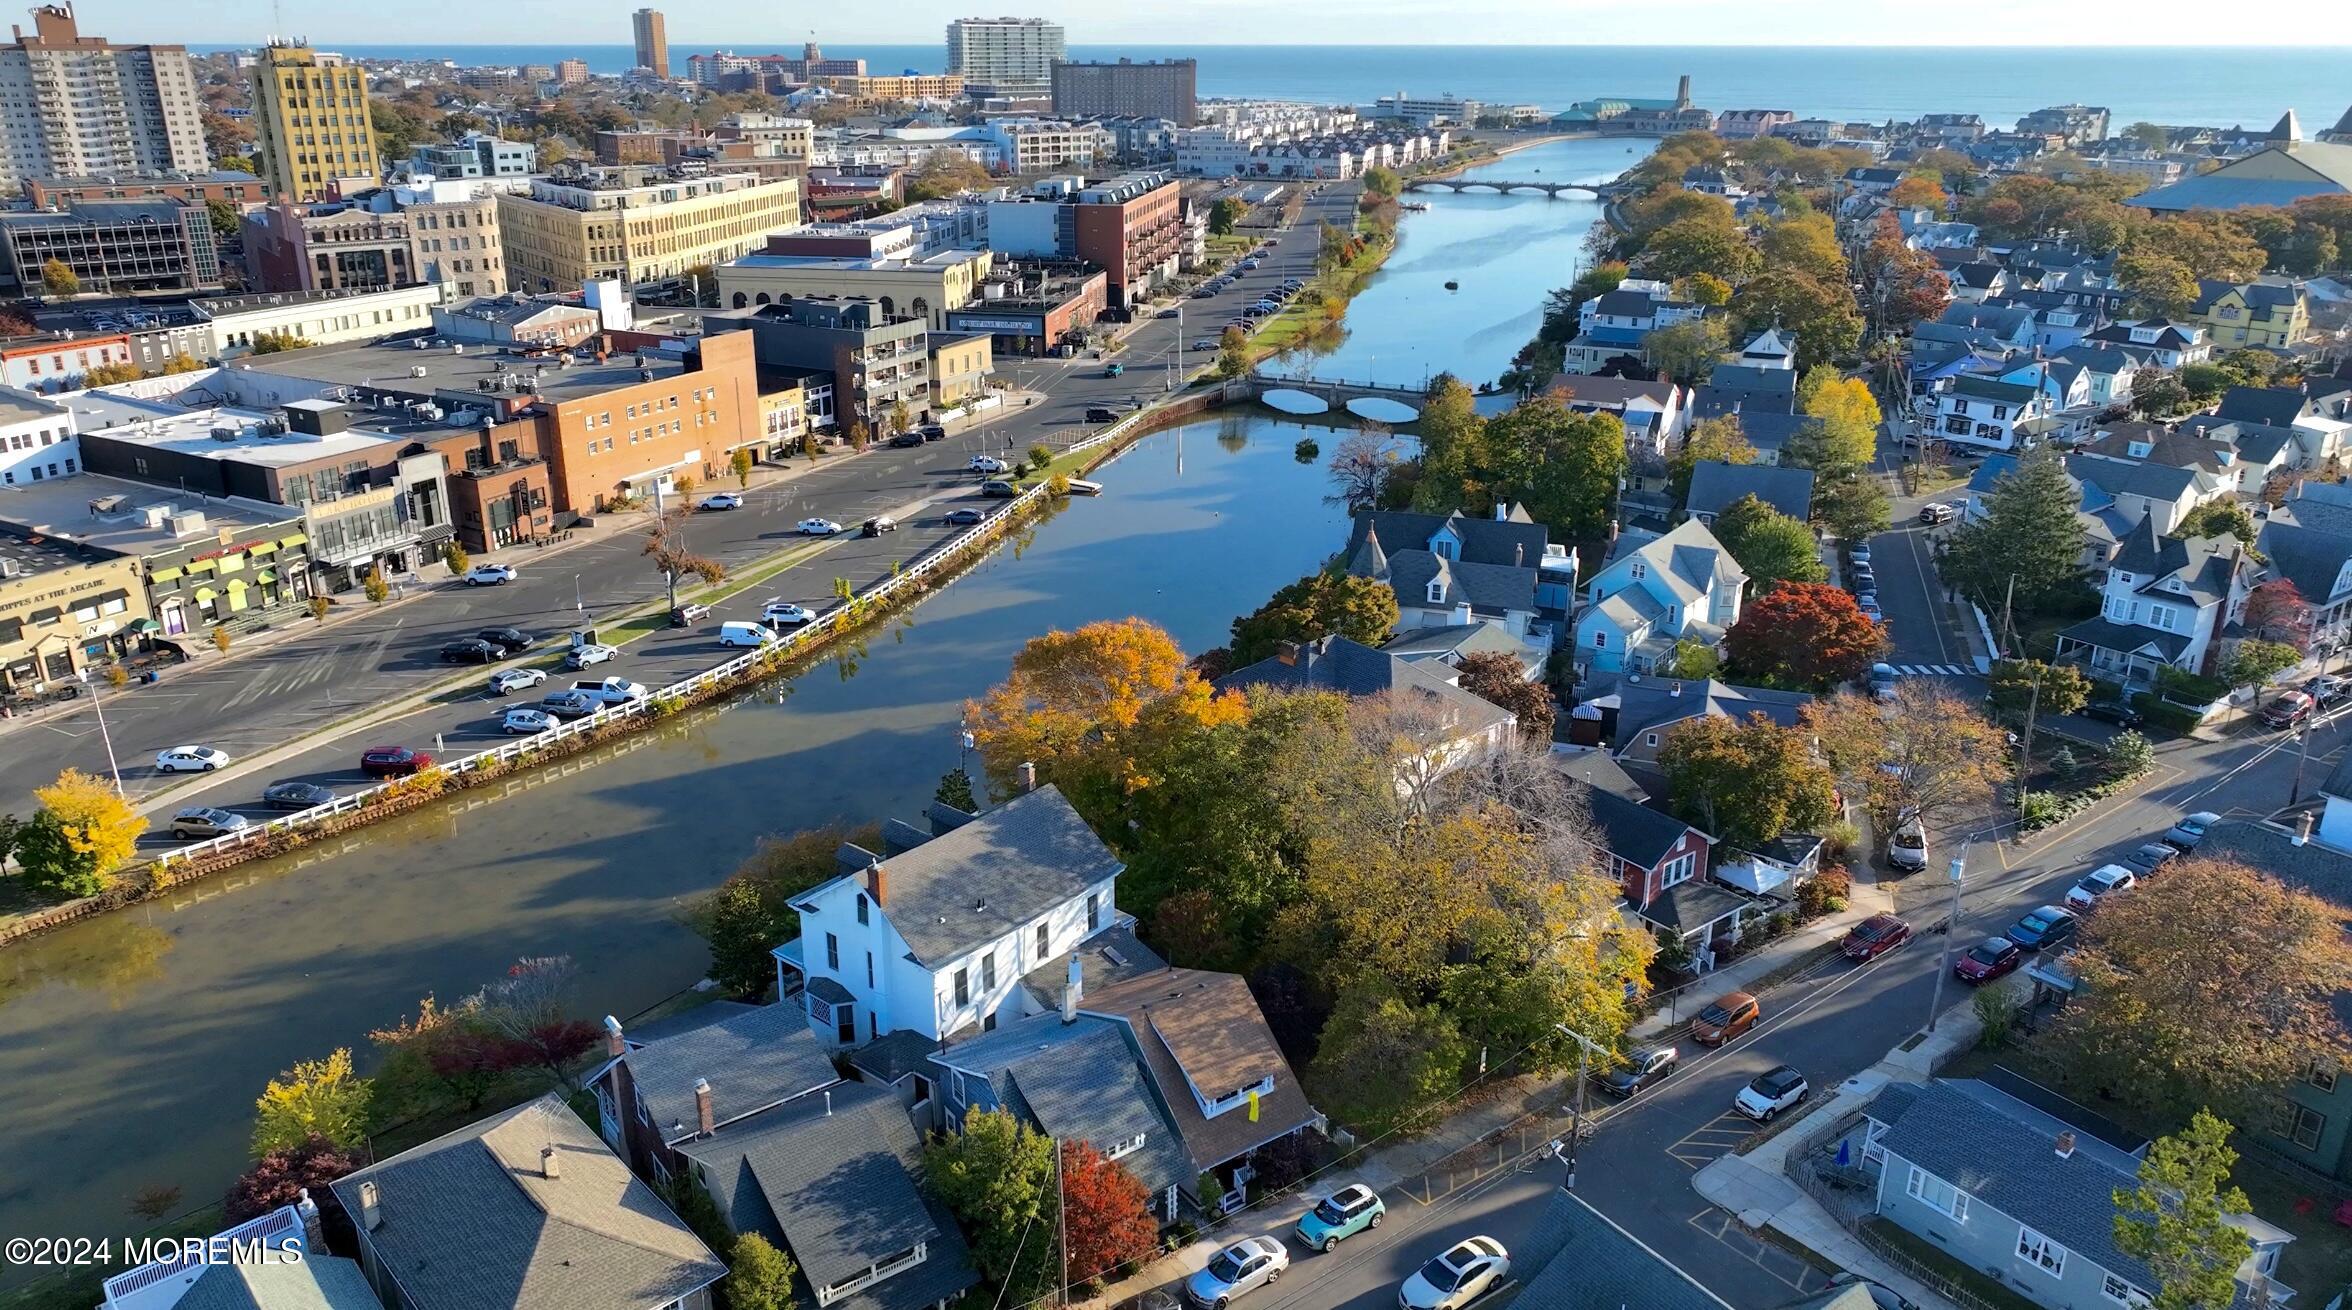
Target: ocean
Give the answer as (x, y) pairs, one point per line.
(2175, 85)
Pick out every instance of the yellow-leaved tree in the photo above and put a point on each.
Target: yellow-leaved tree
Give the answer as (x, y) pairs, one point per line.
(83, 831)
(315, 1098)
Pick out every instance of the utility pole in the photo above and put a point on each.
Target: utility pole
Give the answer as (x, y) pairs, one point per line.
(2033, 706)
(98, 703)
(2302, 758)
(1583, 1080)
(1061, 1232)
(1957, 870)
(2006, 597)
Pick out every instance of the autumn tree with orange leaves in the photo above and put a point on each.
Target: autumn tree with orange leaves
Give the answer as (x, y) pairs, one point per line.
(1106, 1217)
(1803, 636)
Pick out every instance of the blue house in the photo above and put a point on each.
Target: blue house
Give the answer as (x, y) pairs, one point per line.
(1681, 586)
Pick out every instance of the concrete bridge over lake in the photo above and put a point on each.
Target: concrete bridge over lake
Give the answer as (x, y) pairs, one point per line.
(1460, 184)
(1365, 400)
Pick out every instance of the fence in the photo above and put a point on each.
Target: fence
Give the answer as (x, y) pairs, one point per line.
(1918, 1271)
(653, 705)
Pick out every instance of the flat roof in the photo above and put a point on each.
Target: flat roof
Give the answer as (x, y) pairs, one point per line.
(387, 367)
(858, 263)
(41, 554)
(216, 306)
(207, 434)
(18, 406)
(112, 513)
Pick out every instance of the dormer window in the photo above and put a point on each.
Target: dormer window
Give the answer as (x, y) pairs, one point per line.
(1437, 591)
(1638, 570)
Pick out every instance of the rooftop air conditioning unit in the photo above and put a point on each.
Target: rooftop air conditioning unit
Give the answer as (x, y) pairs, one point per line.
(10, 568)
(187, 524)
(418, 370)
(457, 347)
(226, 434)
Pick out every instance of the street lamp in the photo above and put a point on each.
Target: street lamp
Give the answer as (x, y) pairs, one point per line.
(1954, 873)
(98, 703)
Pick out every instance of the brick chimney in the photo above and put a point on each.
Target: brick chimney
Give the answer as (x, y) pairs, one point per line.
(2066, 1145)
(704, 1115)
(371, 1206)
(878, 883)
(613, 1045)
(550, 1164)
(1287, 652)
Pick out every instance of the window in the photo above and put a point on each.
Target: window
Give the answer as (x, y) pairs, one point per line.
(2305, 1126)
(1937, 1195)
(832, 952)
(1679, 869)
(1637, 570)
(861, 907)
(963, 987)
(1600, 640)
(1093, 911)
(1437, 591)
(1649, 739)
(988, 972)
(2321, 1077)
(1044, 942)
(2123, 1293)
(2041, 1252)
(869, 968)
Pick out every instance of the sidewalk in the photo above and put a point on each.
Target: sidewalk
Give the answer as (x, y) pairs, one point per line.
(1751, 971)
(1756, 1186)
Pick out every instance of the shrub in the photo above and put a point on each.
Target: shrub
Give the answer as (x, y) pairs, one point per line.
(1839, 838)
(318, 607)
(1996, 1008)
(2165, 714)
(1307, 451)
(1824, 893)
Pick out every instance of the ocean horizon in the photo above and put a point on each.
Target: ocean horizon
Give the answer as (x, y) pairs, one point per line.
(2179, 85)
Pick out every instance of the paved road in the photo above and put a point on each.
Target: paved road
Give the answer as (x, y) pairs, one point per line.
(278, 694)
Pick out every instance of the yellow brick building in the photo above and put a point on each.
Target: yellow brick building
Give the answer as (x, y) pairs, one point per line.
(562, 235)
(310, 117)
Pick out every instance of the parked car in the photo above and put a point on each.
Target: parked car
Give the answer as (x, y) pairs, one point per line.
(523, 720)
(817, 527)
(612, 691)
(1468, 1270)
(999, 489)
(2099, 884)
(508, 639)
(1859, 552)
(744, 634)
(1935, 512)
(198, 822)
(190, 759)
(2291, 708)
(1987, 960)
(689, 614)
(296, 795)
(2328, 691)
(506, 680)
(1881, 1296)
(393, 761)
(1726, 1017)
(1882, 681)
(581, 656)
(986, 464)
(783, 611)
(491, 575)
(2044, 928)
(720, 500)
(471, 650)
(932, 431)
(1907, 849)
(569, 704)
(1869, 607)
(1097, 414)
(2115, 712)
(1643, 1065)
(965, 516)
(1241, 1268)
(1205, 343)
(1343, 1214)
(2190, 829)
(1875, 936)
(877, 525)
(2151, 857)
(1771, 1092)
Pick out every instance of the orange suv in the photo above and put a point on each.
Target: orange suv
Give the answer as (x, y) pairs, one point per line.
(1727, 1017)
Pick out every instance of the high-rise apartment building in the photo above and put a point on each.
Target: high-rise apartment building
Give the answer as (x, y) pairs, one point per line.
(1005, 56)
(1159, 88)
(571, 72)
(310, 118)
(81, 106)
(653, 41)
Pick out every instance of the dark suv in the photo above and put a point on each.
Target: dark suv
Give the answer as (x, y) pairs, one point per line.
(507, 639)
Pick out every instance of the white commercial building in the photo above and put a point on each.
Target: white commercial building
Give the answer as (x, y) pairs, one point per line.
(36, 439)
(1006, 56)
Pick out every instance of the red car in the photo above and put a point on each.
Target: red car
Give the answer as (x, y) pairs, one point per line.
(1987, 960)
(1875, 936)
(393, 762)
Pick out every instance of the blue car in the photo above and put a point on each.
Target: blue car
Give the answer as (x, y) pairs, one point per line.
(2043, 928)
(1344, 1213)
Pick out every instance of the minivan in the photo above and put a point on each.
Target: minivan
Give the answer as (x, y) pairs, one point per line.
(744, 634)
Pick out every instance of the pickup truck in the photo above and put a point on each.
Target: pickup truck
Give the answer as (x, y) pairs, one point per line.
(612, 691)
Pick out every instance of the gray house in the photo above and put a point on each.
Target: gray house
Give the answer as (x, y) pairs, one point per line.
(2019, 1194)
(1716, 487)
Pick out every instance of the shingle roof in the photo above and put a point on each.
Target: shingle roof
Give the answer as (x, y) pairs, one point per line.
(1770, 431)
(753, 1060)
(1483, 637)
(2320, 870)
(894, 1055)
(2106, 634)
(836, 1183)
(2278, 407)
(1351, 668)
(1746, 388)
(469, 1223)
(2309, 548)
(1576, 1258)
(1636, 834)
(1715, 487)
(991, 876)
(1990, 389)
(2121, 477)
(1204, 1031)
(1652, 703)
(1078, 1079)
(318, 1281)
(1689, 559)
(2325, 170)
(1512, 541)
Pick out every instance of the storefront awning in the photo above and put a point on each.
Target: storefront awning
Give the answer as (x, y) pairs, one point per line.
(46, 614)
(164, 575)
(146, 625)
(437, 532)
(266, 576)
(297, 539)
(232, 563)
(204, 594)
(105, 596)
(201, 566)
(265, 548)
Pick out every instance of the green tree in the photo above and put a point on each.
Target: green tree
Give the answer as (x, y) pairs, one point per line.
(955, 788)
(759, 1277)
(751, 912)
(455, 559)
(1382, 1059)
(2064, 688)
(1709, 440)
(1822, 316)
(2253, 662)
(1745, 782)
(996, 1177)
(1850, 508)
(270, 343)
(943, 173)
(181, 363)
(740, 464)
(2217, 519)
(59, 280)
(224, 218)
(107, 375)
(1770, 545)
(1691, 661)
(1695, 246)
(2177, 1220)
(319, 1098)
(1686, 352)
(1225, 215)
(1319, 604)
(2149, 136)
(1453, 449)
(1382, 183)
(2031, 532)
(1562, 465)
(1806, 243)
(1233, 353)
(2157, 283)
(1843, 436)
(84, 830)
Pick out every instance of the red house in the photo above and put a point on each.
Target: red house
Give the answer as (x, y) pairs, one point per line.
(1660, 861)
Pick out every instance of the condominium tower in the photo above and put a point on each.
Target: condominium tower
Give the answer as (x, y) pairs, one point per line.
(310, 119)
(653, 41)
(1007, 56)
(81, 106)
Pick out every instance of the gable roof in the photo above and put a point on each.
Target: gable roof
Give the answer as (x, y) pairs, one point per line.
(1651, 703)
(1742, 388)
(1770, 431)
(2309, 545)
(1078, 1080)
(469, 1222)
(1716, 486)
(1595, 391)
(965, 888)
(1515, 541)
(753, 1060)
(2125, 477)
(317, 1281)
(2203, 566)
(1688, 559)
(2321, 870)
(2277, 407)
(1202, 1034)
(1335, 663)
(834, 1180)
(1636, 834)
(2304, 168)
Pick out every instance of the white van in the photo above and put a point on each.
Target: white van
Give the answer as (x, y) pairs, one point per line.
(744, 634)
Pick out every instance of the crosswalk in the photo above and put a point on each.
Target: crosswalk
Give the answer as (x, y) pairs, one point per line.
(1934, 670)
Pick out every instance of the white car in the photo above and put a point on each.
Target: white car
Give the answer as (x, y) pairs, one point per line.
(490, 575)
(987, 464)
(1773, 1091)
(779, 611)
(2099, 884)
(580, 657)
(1245, 1266)
(1467, 1271)
(523, 719)
(721, 500)
(818, 527)
(190, 759)
(506, 680)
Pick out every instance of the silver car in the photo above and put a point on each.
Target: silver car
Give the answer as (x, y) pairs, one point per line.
(201, 821)
(1245, 1266)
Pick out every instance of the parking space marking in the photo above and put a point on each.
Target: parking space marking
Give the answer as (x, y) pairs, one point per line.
(1784, 1266)
(1712, 1140)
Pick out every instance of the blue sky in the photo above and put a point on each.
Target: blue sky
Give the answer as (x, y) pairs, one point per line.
(2092, 23)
